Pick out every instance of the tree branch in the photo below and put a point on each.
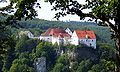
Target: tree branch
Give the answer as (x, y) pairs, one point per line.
(103, 18)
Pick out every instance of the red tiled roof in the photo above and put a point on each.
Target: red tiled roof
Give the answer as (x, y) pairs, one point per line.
(82, 34)
(62, 35)
(57, 32)
(47, 32)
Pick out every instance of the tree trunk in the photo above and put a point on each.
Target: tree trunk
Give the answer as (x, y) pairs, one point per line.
(118, 54)
(117, 37)
(117, 43)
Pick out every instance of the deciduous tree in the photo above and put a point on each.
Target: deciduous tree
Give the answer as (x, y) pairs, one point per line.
(104, 10)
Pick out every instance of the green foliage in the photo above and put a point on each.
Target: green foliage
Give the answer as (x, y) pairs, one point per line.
(22, 64)
(25, 44)
(39, 49)
(42, 25)
(38, 26)
(62, 64)
(103, 66)
(43, 49)
(85, 57)
(28, 50)
(21, 68)
(0, 64)
(58, 67)
(84, 66)
(95, 68)
(23, 61)
(74, 66)
(46, 49)
(106, 51)
(101, 9)
(8, 57)
(63, 59)
(21, 43)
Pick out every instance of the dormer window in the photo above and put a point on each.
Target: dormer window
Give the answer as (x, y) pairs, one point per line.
(90, 44)
(87, 36)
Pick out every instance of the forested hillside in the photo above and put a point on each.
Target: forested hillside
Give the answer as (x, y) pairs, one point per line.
(73, 59)
(24, 53)
(38, 26)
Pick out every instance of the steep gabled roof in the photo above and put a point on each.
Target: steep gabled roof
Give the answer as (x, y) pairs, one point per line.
(47, 32)
(56, 32)
(82, 34)
(62, 35)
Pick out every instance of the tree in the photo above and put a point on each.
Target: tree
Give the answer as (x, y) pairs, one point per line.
(58, 68)
(62, 64)
(24, 9)
(45, 49)
(84, 66)
(63, 59)
(104, 10)
(103, 66)
(22, 64)
(20, 45)
(106, 51)
(21, 68)
(73, 66)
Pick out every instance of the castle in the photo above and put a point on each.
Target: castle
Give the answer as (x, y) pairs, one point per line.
(65, 37)
(61, 36)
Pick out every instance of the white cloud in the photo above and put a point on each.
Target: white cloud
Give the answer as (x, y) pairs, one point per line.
(3, 4)
(46, 13)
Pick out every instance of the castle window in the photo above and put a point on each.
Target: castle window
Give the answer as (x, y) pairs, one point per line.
(90, 44)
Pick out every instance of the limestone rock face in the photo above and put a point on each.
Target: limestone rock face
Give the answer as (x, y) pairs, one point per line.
(40, 64)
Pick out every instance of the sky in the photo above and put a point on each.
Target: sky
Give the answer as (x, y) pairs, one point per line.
(46, 13)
